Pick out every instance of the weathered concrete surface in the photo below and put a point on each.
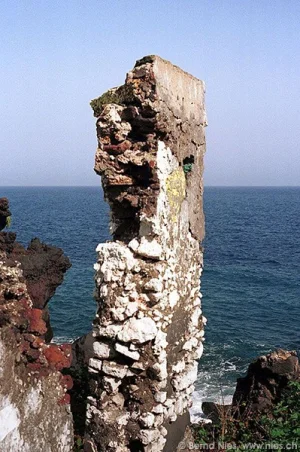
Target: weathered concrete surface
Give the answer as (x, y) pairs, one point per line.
(34, 404)
(148, 330)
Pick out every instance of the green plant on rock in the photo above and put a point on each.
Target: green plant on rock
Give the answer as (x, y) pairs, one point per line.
(188, 163)
(121, 96)
(201, 434)
(284, 425)
(78, 444)
(187, 168)
(8, 222)
(281, 427)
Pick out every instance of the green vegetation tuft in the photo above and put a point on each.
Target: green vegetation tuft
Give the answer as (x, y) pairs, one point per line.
(187, 168)
(280, 428)
(284, 426)
(8, 222)
(78, 444)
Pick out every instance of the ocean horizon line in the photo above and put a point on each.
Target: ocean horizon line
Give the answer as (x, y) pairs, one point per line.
(99, 186)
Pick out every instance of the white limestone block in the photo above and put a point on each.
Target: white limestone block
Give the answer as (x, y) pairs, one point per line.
(147, 420)
(195, 316)
(156, 446)
(173, 298)
(114, 369)
(138, 330)
(148, 436)
(131, 308)
(199, 351)
(190, 344)
(158, 409)
(161, 370)
(101, 350)
(154, 284)
(126, 352)
(123, 419)
(118, 399)
(163, 431)
(109, 331)
(160, 342)
(178, 367)
(183, 381)
(147, 248)
(95, 363)
(110, 384)
(160, 397)
(9, 419)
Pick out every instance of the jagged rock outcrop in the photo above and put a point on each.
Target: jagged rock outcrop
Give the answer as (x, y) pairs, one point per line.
(43, 267)
(34, 405)
(4, 213)
(148, 331)
(267, 377)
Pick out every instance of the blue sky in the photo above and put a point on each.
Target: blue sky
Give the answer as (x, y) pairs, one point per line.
(58, 55)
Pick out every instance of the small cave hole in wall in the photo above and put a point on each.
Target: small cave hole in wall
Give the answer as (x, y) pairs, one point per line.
(136, 446)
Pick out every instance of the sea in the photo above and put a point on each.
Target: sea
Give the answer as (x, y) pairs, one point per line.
(250, 284)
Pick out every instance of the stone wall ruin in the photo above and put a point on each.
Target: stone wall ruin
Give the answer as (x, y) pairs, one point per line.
(148, 331)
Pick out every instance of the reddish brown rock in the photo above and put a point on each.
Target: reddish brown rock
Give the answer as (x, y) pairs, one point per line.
(67, 382)
(58, 357)
(36, 322)
(65, 400)
(43, 268)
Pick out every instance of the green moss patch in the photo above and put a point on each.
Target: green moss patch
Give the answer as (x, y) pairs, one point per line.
(123, 95)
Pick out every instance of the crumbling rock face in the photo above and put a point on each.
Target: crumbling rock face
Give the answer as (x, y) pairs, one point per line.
(34, 404)
(43, 268)
(148, 331)
(132, 121)
(267, 377)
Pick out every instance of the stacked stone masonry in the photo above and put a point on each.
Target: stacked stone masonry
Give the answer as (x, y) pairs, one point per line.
(148, 331)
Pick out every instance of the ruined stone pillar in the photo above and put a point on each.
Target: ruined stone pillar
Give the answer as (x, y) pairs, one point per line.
(149, 327)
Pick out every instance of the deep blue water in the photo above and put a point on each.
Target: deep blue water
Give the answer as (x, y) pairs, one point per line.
(250, 286)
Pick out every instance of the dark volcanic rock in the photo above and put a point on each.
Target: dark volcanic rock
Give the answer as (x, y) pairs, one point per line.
(4, 212)
(266, 379)
(7, 242)
(215, 412)
(43, 268)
